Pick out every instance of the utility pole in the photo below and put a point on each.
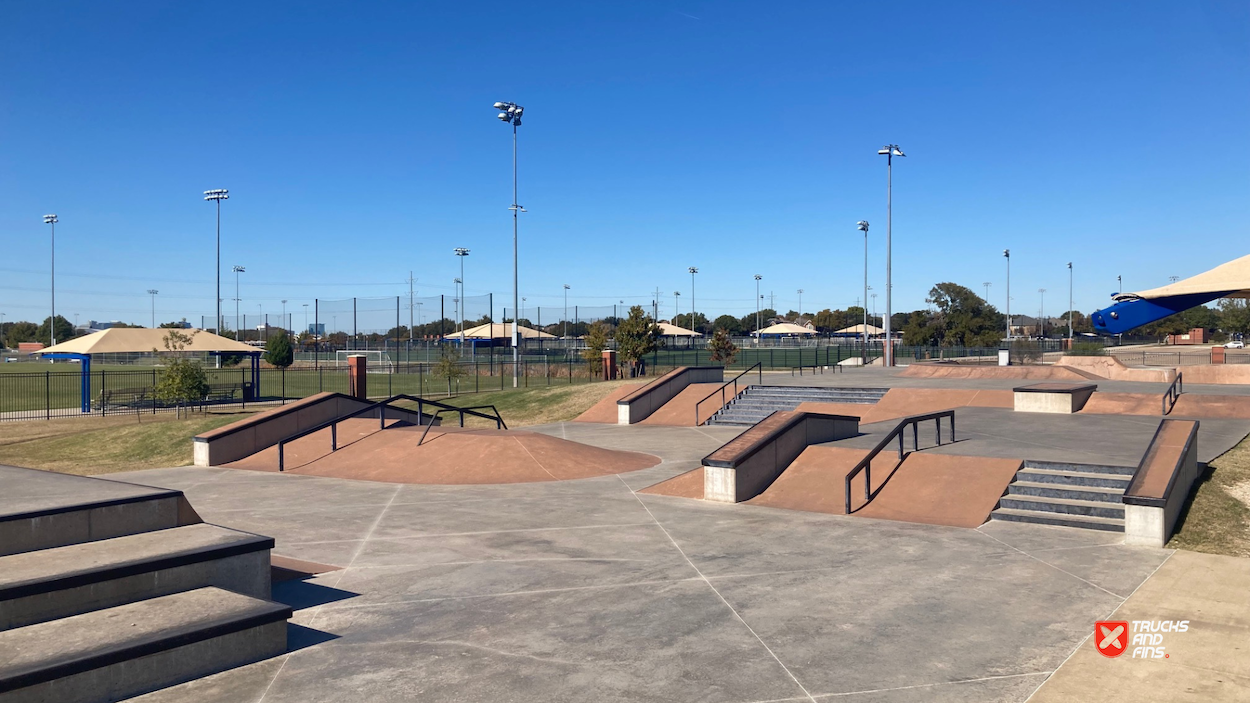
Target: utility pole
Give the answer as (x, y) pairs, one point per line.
(1069, 304)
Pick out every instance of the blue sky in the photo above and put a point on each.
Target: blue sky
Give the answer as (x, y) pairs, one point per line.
(358, 143)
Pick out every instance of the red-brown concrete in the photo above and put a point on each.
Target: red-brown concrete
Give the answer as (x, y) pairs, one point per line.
(1041, 373)
(901, 402)
(687, 485)
(357, 378)
(942, 489)
(605, 410)
(1225, 373)
(1211, 406)
(448, 456)
(815, 481)
(679, 412)
(1123, 404)
(1113, 369)
(1161, 459)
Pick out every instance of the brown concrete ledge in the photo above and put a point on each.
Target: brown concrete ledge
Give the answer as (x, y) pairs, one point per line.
(639, 404)
(1063, 398)
(1161, 485)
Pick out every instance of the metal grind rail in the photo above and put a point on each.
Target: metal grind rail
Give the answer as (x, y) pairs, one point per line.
(1173, 393)
(381, 406)
(758, 367)
(914, 421)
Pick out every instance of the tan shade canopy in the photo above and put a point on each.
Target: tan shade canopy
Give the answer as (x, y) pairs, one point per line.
(1233, 276)
(787, 328)
(122, 340)
(667, 330)
(859, 329)
(497, 330)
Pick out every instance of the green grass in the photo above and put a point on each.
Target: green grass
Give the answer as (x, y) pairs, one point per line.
(533, 406)
(1217, 518)
(96, 445)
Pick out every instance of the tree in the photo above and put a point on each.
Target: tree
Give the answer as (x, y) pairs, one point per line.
(833, 320)
(961, 318)
(178, 325)
(278, 351)
(700, 321)
(183, 380)
(1235, 315)
(596, 342)
(722, 347)
(64, 330)
(449, 366)
(17, 332)
(729, 323)
(636, 336)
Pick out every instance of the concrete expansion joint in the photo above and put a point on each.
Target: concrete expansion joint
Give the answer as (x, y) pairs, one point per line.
(1056, 568)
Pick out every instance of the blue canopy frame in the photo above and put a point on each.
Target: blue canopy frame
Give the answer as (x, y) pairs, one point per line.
(85, 362)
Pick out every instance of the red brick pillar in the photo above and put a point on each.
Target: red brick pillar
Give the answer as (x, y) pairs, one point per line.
(609, 365)
(1217, 355)
(357, 385)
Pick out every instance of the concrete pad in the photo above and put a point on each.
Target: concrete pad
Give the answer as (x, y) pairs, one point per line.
(679, 412)
(687, 485)
(1238, 374)
(1211, 406)
(1206, 663)
(815, 482)
(1039, 373)
(1111, 368)
(937, 489)
(1124, 404)
(605, 410)
(901, 402)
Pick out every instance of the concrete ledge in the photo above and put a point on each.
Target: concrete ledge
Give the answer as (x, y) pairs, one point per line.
(250, 435)
(112, 654)
(639, 405)
(747, 465)
(1161, 485)
(1062, 398)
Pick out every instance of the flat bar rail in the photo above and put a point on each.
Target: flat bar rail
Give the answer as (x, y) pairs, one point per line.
(1173, 393)
(381, 406)
(865, 464)
(758, 367)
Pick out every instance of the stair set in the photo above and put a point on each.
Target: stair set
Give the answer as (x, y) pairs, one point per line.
(106, 596)
(1073, 495)
(755, 403)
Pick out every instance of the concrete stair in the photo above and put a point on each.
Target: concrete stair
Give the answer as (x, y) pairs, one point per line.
(111, 590)
(1072, 495)
(758, 402)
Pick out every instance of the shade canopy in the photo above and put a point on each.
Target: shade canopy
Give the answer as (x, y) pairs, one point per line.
(497, 330)
(1231, 279)
(786, 329)
(130, 340)
(667, 330)
(859, 329)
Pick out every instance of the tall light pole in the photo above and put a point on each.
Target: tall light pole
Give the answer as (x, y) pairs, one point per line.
(461, 252)
(565, 321)
(758, 297)
(306, 317)
(890, 151)
(152, 292)
(284, 325)
(1007, 254)
(874, 305)
(1069, 304)
(217, 196)
(693, 270)
(800, 303)
(1042, 312)
(862, 226)
(676, 309)
(511, 113)
(987, 289)
(1119, 282)
(52, 220)
(238, 327)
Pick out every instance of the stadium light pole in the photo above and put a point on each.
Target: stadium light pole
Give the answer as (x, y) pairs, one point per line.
(511, 113)
(284, 325)
(890, 151)
(238, 328)
(800, 303)
(1007, 254)
(1069, 304)
(152, 292)
(461, 252)
(306, 317)
(862, 226)
(218, 195)
(52, 220)
(1042, 311)
(565, 321)
(758, 297)
(676, 309)
(693, 272)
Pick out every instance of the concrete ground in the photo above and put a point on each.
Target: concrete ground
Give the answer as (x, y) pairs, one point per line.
(588, 591)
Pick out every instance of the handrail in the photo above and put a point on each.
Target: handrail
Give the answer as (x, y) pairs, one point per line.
(759, 366)
(865, 464)
(381, 406)
(1173, 393)
(498, 425)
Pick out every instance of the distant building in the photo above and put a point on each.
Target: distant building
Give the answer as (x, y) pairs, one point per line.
(317, 329)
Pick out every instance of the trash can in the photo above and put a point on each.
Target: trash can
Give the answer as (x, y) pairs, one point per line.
(1004, 357)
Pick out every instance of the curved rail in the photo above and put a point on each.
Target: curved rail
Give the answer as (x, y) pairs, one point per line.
(759, 367)
(1173, 393)
(381, 406)
(865, 464)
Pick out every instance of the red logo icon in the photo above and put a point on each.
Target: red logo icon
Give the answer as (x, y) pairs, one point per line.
(1111, 637)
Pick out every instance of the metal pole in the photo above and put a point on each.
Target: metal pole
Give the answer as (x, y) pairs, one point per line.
(239, 327)
(1069, 304)
(515, 287)
(1007, 254)
(219, 273)
(864, 361)
(889, 231)
(52, 320)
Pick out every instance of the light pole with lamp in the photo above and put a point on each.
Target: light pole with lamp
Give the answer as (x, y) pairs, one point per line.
(565, 321)
(1007, 254)
(284, 324)
(889, 151)
(862, 226)
(1069, 304)
(217, 196)
(676, 309)
(693, 270)
(152, 292)
(52, 220)
(238, 327)
(800, 304)
(1041, 322)
(461, 252)
(305, 317)
(511, 113)
(758, 297)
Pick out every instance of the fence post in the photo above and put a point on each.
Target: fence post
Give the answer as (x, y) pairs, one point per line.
(284, 385)
(153, 390)
(47, 391)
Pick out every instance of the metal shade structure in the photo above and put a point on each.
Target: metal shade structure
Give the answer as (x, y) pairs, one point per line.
(1131, 310)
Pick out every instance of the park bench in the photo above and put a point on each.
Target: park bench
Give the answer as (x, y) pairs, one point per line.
(146, 396)
(224, 391)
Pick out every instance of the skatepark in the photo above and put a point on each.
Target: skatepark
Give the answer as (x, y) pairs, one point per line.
(628, 553)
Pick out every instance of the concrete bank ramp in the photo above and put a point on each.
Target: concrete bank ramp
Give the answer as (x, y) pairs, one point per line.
(901, 402)
(1035, 373)
(448, 455)
(605, 410)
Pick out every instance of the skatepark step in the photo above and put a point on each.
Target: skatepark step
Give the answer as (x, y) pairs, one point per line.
(1074, 495)
(42, 509)
(758, 402)
(56, 583)
(131, 649)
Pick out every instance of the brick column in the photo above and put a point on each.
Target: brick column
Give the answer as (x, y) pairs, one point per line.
(609, 365)
(1217, 355)
(357, 380)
